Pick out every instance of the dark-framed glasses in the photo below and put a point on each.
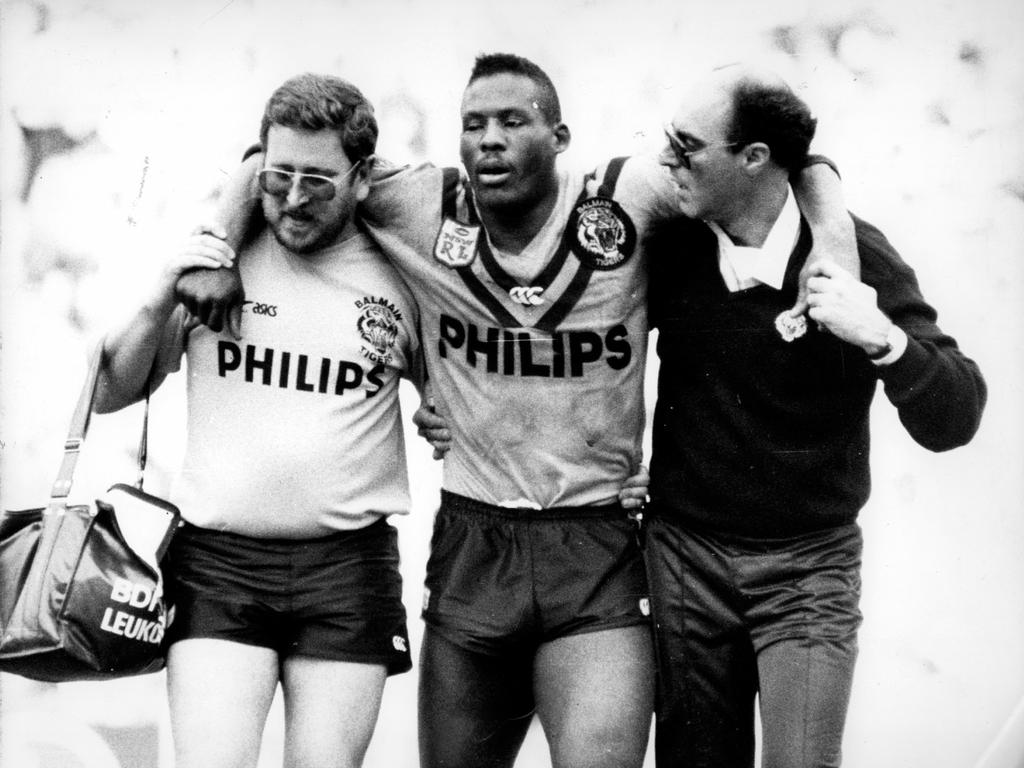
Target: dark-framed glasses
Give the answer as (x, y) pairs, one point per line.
(278, 182)
(681, 153)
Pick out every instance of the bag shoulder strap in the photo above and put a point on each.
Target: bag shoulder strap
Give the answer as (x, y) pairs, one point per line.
(80, 426)
(143, 453)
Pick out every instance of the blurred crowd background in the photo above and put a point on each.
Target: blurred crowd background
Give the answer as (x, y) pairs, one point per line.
(119, 121)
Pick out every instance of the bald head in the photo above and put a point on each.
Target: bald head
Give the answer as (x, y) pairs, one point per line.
(765, 109)
(733, 142)
(728, 76)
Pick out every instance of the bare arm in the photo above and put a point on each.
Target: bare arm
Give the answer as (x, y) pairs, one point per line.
(215, 297)
(819, 194)
(130, 349)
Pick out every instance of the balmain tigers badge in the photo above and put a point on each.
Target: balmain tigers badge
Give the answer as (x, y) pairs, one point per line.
(601, 234)
(378, 328)
(455, 245)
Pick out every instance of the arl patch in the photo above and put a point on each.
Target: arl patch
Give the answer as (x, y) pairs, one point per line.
(455, 245)
(601, 234)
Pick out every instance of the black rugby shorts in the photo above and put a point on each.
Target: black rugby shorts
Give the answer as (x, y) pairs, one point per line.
(507, 580)
(337, 597)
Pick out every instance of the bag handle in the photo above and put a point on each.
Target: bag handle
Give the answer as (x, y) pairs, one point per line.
(143, 452)
(80, 426)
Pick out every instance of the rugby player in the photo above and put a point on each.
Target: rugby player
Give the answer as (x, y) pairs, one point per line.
(287, 569)
(532, 284)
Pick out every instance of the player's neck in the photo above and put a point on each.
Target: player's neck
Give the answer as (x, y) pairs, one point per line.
(511, 228)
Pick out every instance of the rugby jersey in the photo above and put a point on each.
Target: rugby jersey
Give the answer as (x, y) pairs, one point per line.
(536, 360)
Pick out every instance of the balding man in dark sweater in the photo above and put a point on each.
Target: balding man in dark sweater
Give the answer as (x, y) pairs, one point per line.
(760, 445)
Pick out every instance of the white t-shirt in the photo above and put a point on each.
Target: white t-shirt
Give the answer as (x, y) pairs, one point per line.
(294, 431)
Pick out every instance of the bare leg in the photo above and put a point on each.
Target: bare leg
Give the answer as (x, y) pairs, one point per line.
(474, 709)
(595, 697)
(220, 692)
(330, 711)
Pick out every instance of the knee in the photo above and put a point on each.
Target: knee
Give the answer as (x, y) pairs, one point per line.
(599, 745)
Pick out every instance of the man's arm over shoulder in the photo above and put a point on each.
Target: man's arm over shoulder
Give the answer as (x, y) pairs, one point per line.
(938, 391)
(644, 188)
(215, 297)
(406, 204)
(647, 191)
(132, 349)
(395, 189)
(819, 193)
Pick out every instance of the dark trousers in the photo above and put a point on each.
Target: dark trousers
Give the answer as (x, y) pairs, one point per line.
(737, 618)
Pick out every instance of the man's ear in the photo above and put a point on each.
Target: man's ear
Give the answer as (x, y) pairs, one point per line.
(363, 177)
(562, 137)
(756, 156)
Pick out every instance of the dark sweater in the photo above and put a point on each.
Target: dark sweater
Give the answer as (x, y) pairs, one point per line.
(760, 437)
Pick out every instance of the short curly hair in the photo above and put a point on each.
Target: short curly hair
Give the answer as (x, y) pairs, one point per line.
(488, 64)
(314, 102)
(775, 115)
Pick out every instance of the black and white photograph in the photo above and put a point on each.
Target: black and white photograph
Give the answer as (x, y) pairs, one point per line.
(566, 384)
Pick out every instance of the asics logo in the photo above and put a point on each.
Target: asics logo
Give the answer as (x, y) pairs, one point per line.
(529, 296)
(261, 309)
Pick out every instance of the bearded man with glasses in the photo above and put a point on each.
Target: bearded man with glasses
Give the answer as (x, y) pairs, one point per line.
(287, 569)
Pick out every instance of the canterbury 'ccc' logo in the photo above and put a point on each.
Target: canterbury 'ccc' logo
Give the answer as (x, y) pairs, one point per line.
(529, 296)
(601, 234)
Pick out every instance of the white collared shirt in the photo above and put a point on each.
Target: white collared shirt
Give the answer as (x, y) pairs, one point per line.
(744, 267)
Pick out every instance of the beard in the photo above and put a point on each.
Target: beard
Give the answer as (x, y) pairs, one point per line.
(302, 231)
